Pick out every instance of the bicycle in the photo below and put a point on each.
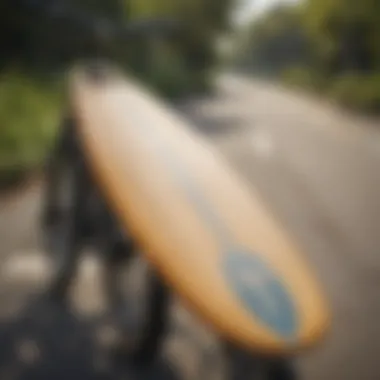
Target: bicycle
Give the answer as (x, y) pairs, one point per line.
(99, 210)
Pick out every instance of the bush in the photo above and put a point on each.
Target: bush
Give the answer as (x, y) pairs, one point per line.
(171, 75)
(168, 73)
(357, 92)
(304, 77)
(28, 116)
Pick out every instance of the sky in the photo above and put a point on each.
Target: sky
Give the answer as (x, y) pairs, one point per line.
(252, 7)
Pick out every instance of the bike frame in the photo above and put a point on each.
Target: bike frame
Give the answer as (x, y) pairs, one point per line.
(102, 231)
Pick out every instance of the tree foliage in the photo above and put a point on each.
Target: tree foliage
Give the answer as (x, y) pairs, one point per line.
(329, 39)
(344, 33)
(277, 39)
(43, 37)
(44, 33)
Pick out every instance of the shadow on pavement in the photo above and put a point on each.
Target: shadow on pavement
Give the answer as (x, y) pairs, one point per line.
(47, 341)
(212, 125)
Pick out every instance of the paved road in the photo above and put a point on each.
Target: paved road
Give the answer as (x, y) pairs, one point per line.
(317, 170)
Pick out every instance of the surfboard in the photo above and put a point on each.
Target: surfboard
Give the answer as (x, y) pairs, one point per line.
(206, 231)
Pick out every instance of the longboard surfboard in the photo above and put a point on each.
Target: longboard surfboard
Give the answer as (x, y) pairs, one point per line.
(205, 230)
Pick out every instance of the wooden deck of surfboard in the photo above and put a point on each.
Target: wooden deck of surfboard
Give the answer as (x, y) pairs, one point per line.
(211, 238)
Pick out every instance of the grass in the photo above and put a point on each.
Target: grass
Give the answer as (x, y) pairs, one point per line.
(29, 115)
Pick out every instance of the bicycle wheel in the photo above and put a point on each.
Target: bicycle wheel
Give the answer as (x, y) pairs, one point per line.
(64, 212)
(140, 306)
(242, 364)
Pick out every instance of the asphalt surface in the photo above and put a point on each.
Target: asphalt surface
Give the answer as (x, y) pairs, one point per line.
(315, 167)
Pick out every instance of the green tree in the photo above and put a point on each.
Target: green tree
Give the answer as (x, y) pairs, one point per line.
(277, 40)
(344, 33)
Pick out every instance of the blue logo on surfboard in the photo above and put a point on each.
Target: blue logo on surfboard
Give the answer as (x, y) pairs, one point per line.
(261, 292)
